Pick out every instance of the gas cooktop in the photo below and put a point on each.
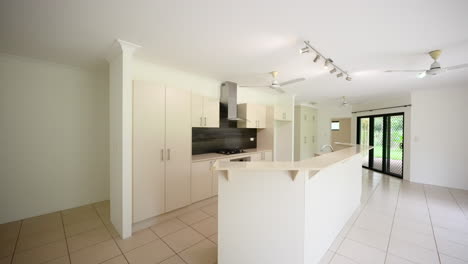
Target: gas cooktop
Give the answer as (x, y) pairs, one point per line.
(230, 151)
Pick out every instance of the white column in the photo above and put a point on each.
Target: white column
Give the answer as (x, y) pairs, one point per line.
(120, 135)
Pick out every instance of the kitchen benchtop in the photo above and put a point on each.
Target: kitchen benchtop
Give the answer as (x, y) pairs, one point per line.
(213, 156)
(315, 163)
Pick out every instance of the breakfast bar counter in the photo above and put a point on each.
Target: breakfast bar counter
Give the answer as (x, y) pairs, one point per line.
(286, 212)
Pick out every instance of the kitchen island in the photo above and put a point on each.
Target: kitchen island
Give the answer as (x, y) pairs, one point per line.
(286, 212)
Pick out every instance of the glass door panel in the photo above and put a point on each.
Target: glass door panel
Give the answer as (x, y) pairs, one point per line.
(395, 150)
(378, 151)
(385, 133)
(364, 138)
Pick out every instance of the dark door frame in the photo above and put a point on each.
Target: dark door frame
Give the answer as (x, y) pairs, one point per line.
(386, 143)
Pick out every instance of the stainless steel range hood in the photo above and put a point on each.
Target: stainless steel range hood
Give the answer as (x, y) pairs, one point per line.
(229, 100)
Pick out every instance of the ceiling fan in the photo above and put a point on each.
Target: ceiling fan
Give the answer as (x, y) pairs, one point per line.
(344, 103)
(275, 85)
(435, 68)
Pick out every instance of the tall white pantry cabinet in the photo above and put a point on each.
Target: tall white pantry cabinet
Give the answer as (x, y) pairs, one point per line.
(161, 149)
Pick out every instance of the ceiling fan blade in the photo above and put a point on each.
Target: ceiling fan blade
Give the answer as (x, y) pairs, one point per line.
(422, 74)
(292, 81)
(279, 90)
(461, 66)
(254, 86)
(405, 70)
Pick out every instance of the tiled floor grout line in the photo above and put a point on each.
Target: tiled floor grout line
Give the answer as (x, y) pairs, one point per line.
(65, 235)
(105, 226)
(456, 201)
(432, 226)
(16, 242)
(393, 221)
(360, 212)
(161, 238)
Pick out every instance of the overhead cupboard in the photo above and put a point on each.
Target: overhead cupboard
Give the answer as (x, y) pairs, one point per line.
(253, 115)
(305, 126)
(162, 155)
(283, 112)
(205, 111)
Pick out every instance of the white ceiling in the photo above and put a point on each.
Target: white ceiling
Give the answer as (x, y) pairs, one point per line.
(243, 40)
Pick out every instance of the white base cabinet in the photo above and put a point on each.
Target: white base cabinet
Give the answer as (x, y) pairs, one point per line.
(202, 180)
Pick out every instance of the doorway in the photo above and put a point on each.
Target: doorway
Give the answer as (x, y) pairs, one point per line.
(386, 134)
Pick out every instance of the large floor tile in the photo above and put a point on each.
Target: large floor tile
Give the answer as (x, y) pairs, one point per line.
(168, 227)
(61, 260)
(453, 249)
(153, 252)
(370, 238)
(327, 257)
(183, 239)
(173, 260)
(204, 252)
(42, 254)
(339, 259)
(207, 227)
(36, 239)
(116, 260)
(138, 239)
(80, 227)
(412, 252)
(88, 238)
(211, 209)
(444, 259)
(392, 259)
(420, 239)
(361, 253)
(96, 254)
(193, 217)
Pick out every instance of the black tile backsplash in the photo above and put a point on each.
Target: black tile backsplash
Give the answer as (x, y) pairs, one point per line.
(207, 140)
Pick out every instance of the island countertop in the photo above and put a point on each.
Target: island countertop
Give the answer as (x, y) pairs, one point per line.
(314, 163)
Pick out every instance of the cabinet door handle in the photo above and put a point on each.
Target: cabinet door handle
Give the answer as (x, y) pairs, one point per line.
(162, 154)
(201, 121)
(205, 120)
(168, 154)
(305, 140)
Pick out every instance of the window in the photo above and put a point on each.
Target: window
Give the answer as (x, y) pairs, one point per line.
(335, 125)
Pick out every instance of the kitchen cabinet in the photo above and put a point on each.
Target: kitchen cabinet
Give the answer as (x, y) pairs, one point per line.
(202, 180)
(205, 111)
(161, 149)
(254, 116)
(256, 157)
(283, 113)
(305, 122)
(267, 156)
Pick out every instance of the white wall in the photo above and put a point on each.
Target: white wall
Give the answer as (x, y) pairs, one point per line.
(54, 137)
(389, 102)
(325, 113)
(439, 131)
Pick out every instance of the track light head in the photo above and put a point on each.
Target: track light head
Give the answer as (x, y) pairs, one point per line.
(348, 78)
(304, 50)
(317, 57)
(327, 63)
(339, 75)
(333, 70)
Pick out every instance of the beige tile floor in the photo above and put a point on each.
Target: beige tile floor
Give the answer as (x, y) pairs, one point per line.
(398, 223)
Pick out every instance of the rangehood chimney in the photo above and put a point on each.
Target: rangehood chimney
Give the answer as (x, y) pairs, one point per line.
(229, 100)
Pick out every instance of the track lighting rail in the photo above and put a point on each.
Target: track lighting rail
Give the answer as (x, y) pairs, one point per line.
(328, 62)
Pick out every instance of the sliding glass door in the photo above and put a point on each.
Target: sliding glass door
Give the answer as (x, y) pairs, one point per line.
(386, 134)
